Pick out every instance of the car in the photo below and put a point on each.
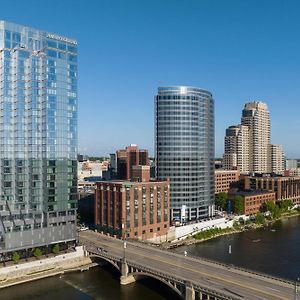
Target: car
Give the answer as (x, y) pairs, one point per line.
(83, 229)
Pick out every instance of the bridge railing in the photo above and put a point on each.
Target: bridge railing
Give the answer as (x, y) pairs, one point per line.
(171, 277)
(210, 261)
(163, 275)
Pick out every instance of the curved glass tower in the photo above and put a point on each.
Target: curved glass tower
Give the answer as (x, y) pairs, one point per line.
(184, 145)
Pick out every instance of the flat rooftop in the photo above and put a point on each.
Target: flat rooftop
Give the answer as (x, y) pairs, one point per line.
(128, 182)
(252, 192)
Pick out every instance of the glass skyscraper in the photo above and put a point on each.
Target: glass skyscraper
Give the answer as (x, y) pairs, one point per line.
(38, 137)
(184, 145)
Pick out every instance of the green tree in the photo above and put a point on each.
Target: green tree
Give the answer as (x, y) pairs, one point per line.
(274, 209)
(285, 205)
(270, 206)
(16, 257)
(260, 218)
(55, 249)
(221, 200)
(37, 252)
(276, 213)
(239, 205)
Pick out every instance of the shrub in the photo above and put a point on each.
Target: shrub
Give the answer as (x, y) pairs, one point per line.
(16, 257)
(260, 218)
(55, 249)
(37, 252)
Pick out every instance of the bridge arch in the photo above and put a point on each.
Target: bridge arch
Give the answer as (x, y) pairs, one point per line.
(107, 260)
(170, 285)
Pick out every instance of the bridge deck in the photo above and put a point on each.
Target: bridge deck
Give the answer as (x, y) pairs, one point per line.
(219, 277)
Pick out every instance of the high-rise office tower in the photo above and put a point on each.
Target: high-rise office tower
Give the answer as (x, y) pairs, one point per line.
(38, 137)
(184, 145)
(256, 116)
(237, 148)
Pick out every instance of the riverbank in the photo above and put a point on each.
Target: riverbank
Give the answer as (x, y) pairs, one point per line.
(229, 231)
(48, 267)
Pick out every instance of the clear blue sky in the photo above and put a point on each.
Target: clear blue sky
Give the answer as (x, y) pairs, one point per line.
(239, 50)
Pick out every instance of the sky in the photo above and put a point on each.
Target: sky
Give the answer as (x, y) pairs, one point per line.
(239, 50)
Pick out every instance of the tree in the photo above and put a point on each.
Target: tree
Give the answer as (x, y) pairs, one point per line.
(285, 205)
(270, 206)
(274, 209)
(260, 218)
(221, 200)
(16, 257)
(37, 252)
(55, 249)
(239, 205)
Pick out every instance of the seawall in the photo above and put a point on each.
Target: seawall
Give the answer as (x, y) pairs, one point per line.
(38, 269)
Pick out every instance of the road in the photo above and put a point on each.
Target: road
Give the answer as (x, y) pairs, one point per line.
(233, 281)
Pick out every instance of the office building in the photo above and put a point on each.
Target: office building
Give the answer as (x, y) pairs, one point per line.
(128, 157)
(291, 172)
(38, 137)
(224, 179)
(184, 149)
(291, 164)
(285, 188)
(133, 209)
(253, 199)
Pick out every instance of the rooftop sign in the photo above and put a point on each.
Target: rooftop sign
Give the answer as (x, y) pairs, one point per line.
(61, 38)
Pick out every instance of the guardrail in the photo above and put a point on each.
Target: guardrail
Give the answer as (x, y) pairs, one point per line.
(230, 267)
(207, 260)
(164, 275)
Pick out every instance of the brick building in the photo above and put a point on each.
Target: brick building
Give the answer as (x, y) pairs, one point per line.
(129, 157)
(285, 188)
(253, 199)
(224, 179)
(137, 210)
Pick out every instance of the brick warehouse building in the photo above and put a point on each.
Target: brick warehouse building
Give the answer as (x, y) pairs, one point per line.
(253, 199)
(137, 210)
(285, 188)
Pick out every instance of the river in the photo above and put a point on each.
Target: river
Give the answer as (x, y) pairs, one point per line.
(274, 250)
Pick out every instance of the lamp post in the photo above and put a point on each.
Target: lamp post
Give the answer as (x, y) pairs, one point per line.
(296, 285)
(124, 247)
(124, 241)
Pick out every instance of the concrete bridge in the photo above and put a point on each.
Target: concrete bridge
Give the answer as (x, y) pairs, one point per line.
(191, 278)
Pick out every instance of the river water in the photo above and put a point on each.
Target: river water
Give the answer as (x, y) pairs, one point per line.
(274, 250)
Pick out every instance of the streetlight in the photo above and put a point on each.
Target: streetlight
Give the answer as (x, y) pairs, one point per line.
(296, 284)
(124, 239)
(124, 247)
